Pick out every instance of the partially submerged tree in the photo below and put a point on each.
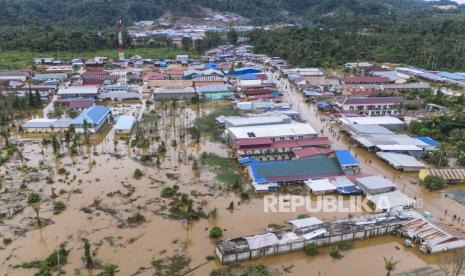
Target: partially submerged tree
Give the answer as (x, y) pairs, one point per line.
(389, 265)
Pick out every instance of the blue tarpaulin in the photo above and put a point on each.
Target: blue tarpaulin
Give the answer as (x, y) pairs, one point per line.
(211, 65)
(346, 158)
(247, 160)
(429, 141)
(249, 77)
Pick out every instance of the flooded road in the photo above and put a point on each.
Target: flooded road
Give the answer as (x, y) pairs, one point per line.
(100, 194)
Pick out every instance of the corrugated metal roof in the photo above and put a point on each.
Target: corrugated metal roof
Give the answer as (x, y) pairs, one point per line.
(92, 115)
(375, 182)
(346, 158)
(399, 160)
(448, 174)
(125, 122)
(371, 100)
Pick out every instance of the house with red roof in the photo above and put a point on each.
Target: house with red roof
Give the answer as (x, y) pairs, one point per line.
(365, 80)
(175, 74)
(370, 106)
(265, 149)
(95, 77)
(153, 76)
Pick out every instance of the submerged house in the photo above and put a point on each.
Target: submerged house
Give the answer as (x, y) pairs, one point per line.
(45, 125)
(216, 91)
(124, 124)
(95, 118)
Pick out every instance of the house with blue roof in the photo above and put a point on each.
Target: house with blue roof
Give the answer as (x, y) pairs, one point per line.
(94, 117)
(246, 70)
(248, 77)
(347, 161)
(211, 65)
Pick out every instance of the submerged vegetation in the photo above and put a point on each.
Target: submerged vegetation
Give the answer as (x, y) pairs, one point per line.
(225, 170)
(206, 125)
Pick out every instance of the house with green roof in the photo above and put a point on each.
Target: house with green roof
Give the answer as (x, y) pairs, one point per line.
(294, 171)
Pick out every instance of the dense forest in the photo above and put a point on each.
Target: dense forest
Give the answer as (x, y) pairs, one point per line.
(431, 42)
(334, 32)
(100, 13)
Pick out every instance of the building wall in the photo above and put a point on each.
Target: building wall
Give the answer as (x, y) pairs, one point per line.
(173, 96)
(203, 83)
(218, 95)
(299, 245)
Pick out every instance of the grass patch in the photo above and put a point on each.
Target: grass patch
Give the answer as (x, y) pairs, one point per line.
(224, 169)
(206, 125)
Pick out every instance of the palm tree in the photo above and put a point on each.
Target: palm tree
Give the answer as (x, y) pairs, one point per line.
(389, 265)
(109, 270)
(5, 134)
(36, 208)
(86, 131)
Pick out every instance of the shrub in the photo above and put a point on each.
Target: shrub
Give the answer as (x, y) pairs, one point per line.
(311, 249)
(58, 207)
(61, 171)
(335, 253)
(136, 219)
(216, 232)
(137, 174)
(434, 183)
(168, 192)
(33, 198)
(7, 241)
(344, 245)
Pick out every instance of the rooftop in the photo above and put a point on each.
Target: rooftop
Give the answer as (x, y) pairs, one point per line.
(295, 170)
(125, 122)
(214, 88)
(350, 80)
(165, 90)
(346, 158)
(371, 100)
(375, 182)
(257, 120)
(270, 131)
(372, 120)
(386, 201)
(311, 151)
(92, 115)
(77, 90)
(320, 185)
(47, 123)
(399, 160)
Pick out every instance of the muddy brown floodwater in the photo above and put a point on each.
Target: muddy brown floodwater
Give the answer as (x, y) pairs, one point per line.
(100, 181)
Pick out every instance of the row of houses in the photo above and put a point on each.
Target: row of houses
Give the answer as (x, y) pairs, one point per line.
(378, 134)
(91, 120)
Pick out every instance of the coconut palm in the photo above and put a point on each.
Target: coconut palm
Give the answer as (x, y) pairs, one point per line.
(389, 265)
(109, 270)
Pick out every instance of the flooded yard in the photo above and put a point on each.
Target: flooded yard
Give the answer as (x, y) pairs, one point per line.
(132, 220)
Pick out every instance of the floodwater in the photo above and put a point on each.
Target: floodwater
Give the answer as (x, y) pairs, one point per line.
(100, 180)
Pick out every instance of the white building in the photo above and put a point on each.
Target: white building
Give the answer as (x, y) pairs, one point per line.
(275, 132)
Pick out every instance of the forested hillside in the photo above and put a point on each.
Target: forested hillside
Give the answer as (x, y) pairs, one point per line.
(336, 31)
(431, 42)
(99, 13)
